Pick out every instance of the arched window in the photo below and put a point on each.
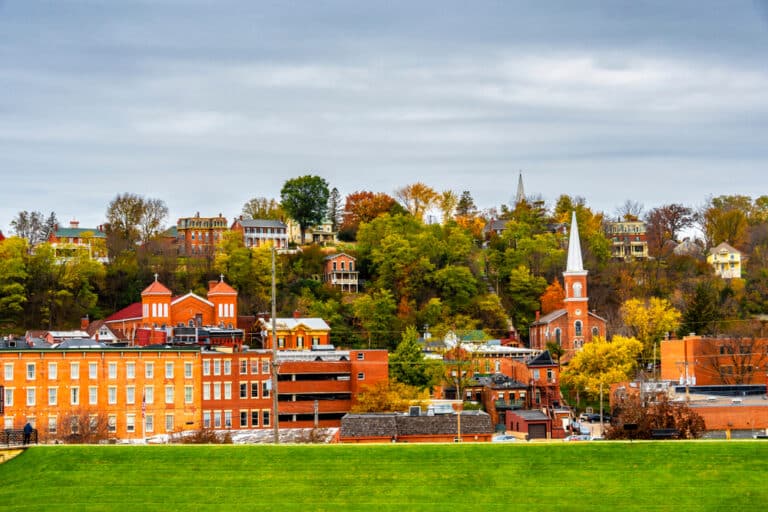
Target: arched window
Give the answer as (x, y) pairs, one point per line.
(577, 290)
(557, 336)
(595, 332)
(577, 328)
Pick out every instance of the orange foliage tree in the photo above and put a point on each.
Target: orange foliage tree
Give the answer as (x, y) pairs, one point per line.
(553, 298)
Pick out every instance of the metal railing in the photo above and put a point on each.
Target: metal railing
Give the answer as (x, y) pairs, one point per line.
(15, 437)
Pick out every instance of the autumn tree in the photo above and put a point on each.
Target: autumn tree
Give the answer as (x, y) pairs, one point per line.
(466, 205)
(392, 396)
(417, 198)
(364, 206)
(131, 219)
(650, 321)
(33, 227)
(601, 363)
(457, 370)
(726, 219)
(305, 199)
(664, 224)
(630, 211)
(660, 414)
(263, 208)
(447, 202)
(553, 298)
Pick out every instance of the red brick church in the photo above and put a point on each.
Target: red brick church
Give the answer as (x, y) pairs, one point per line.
(574, 324)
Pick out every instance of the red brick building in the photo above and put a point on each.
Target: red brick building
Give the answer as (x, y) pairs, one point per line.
(340, 272)
(198, 236)
(573, 325)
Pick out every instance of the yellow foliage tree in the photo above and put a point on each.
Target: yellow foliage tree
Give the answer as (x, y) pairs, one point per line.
(601, 363)
(649, 321)
(389, 396)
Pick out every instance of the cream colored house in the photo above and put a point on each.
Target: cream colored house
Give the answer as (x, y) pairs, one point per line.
(726, 261)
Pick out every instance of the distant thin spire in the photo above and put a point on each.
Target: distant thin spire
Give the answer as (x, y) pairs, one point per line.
(575, 263)
(520, 197)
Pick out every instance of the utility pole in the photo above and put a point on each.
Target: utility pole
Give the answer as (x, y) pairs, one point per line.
(275, 422)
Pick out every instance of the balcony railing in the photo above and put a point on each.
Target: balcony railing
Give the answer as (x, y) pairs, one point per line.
(509, 404)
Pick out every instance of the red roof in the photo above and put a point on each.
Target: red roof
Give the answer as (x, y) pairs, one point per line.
(127, 313)
(222, 288)
(156, 289)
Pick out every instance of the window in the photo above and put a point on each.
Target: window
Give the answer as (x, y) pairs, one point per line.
(228, 419)
(130, 395)
(112, 370)
(578, 328)
(169, 394)
(265, 366)
(217, 390)
(188, 369)
(550, 375)
(361, 376)
(360, 356)
(74, 395)
(595, 332)
(265, 389)
(536, 374)
(254, 366)
(52, 423)
(93, 395)
(315, 340)
(254, 390)
(265, 417)
(130, 423)
(243, 419)
(53, 371)
(169, 422)
(217, 366)
(149, 370)
(168, 370)
(30, 396)
(8, 397)
(243, 367)
(149, 423)
(227, 391)
(206, 367)
(52, 395)
(149, 394)
(130, 370)
(74, 371)
(299, 341)
(227, 367)
(577, 290)
(206, 419)
(111, 423)
(188, 394)
(112, 395)
(93, 370)
(281, 342)
(243, 390)
(206, 390)
(254, 418)
(216, 419)
(30, 371)
(8, 371)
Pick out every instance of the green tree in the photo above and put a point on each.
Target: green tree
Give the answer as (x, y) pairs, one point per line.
(305, 199)
(334, 209)
(702, 311)
(13, 274)
(407, 363)
(375, 314)
(524, 290)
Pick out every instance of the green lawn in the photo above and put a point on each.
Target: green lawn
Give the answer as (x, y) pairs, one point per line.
(647, 476)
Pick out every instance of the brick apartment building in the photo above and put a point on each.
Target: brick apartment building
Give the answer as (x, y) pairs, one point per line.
(198, 236)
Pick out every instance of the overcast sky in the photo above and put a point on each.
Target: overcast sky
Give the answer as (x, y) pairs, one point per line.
(208, 104)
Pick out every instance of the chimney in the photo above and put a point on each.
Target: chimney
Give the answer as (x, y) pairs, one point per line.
(84, 323)
(297, 314)
(538, 315)
(74, 223)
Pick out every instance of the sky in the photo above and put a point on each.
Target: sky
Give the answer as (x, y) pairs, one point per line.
(207, 104)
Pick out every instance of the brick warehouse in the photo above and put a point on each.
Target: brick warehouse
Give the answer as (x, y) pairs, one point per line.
(141, 392)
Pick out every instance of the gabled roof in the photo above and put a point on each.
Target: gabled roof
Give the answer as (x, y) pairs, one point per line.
(316, 324)
(334, 256)
(724, 247)
(176, 300)
(156, 288)
(549, 317)
(132, 312)
(222, 288)
(543, 359)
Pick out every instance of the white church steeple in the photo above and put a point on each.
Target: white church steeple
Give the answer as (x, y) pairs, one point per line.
(520, 196)
(575, 263)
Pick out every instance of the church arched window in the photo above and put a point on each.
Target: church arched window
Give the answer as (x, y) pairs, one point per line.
(595, 332)
(577, 290)
(557, 336)
(577, 325)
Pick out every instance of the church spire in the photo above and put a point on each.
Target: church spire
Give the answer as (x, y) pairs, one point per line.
(520, 197)
(575, 263)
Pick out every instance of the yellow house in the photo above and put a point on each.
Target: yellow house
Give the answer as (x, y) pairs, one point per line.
(726, 261)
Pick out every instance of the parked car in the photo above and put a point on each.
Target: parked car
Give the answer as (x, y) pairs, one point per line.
(504, 438)
(578, 437)
(594, 417)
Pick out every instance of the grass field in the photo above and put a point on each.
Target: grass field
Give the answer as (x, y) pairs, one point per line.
(647, 476)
